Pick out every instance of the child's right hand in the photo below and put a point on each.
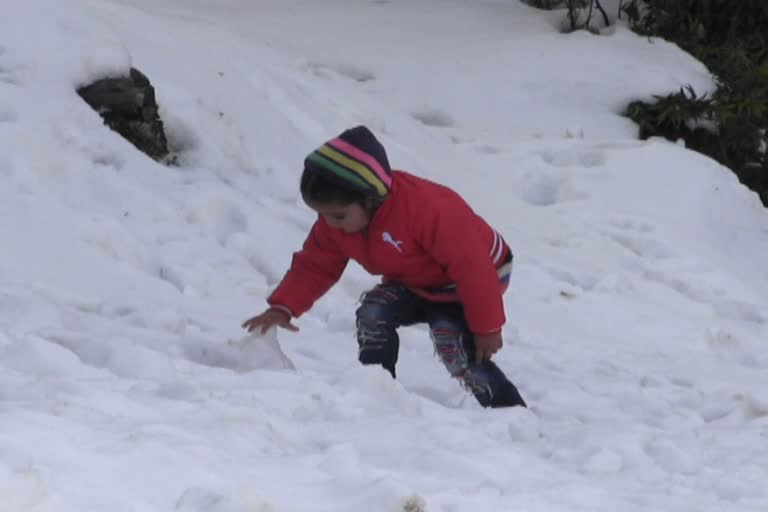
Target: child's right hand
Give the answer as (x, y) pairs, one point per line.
(273, 317)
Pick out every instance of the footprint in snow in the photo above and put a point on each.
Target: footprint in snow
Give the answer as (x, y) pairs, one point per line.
(222, 218)
(10, 74)
(570, 158)
(604, 462)
(730, 347)
(641, 246)
(673, 458)
(8, 115)
(548, 187)
(350, 71)
(630, 224)
(433, 117)
(8, 77)
(487, 149)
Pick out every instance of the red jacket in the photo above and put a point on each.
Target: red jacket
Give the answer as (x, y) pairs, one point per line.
(425, 237)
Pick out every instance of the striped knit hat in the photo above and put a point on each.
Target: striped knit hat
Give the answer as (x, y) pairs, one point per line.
(355, 160)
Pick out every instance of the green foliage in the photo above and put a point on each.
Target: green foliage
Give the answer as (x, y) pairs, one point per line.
(580, 13)
(709, 22)
(731, 39)
(673, 112)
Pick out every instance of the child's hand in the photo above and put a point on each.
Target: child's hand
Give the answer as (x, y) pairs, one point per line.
(269, 319)
(486, 345)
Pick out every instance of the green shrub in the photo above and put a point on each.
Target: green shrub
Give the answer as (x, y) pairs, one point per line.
(731, 39)
(579, 13)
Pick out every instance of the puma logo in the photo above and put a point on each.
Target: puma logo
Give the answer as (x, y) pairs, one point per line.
(386, 237)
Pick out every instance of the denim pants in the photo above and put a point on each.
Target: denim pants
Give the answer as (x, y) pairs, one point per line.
(389, 306)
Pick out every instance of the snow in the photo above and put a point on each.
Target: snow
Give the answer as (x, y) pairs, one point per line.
(638, 311)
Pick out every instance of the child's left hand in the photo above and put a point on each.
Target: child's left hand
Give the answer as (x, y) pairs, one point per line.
(486, 345)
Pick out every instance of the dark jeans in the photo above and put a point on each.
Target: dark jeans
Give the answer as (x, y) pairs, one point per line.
(389, 306)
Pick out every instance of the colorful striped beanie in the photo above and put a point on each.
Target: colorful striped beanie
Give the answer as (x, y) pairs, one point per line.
(355, 160)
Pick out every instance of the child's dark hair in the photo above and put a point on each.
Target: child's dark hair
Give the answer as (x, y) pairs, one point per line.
(317, 188)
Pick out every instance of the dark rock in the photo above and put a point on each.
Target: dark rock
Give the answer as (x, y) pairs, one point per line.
(128, 106)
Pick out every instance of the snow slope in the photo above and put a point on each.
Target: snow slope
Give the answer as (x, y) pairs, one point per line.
(638, 311)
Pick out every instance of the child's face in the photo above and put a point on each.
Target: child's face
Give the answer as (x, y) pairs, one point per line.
(349, 218)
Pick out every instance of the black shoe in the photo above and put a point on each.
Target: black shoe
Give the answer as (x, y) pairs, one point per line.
(491, 387)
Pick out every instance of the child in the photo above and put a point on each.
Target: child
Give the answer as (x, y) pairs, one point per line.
(441, 263)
